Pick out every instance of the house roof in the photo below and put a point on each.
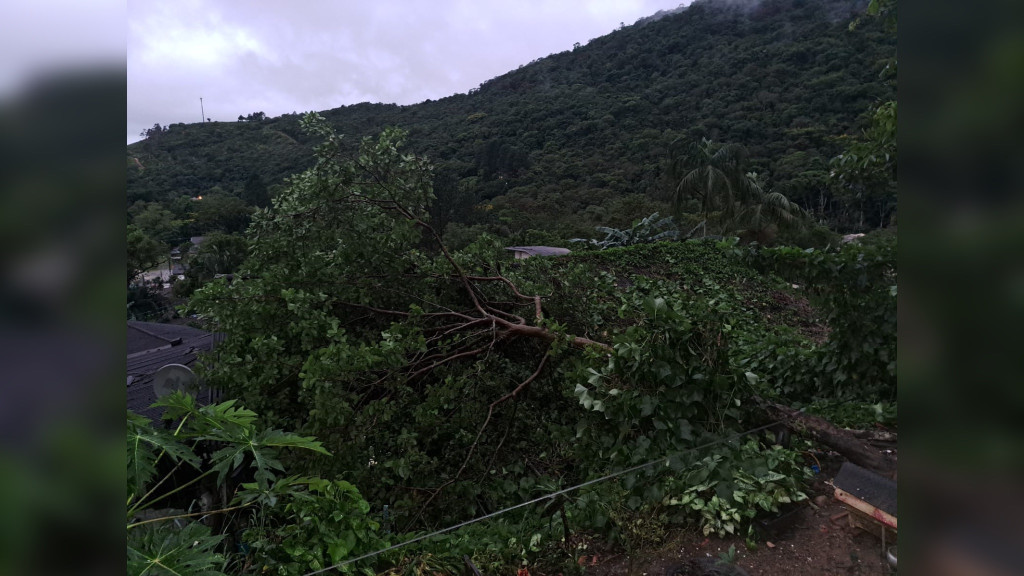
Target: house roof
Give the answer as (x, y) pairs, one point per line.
(540, 250)
(148, 336)
(152, 346)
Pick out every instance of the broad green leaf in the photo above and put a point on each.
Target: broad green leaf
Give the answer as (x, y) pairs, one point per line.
(145, 444)
(164, 549)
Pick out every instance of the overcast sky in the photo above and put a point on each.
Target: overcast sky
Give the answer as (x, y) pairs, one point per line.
(280, 57)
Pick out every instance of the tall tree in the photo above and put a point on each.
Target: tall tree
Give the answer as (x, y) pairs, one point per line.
(255, 192)
(866, 172)
(158, 223)
(762, 216)
(452, 199)
(712, 174)
(143, 252)
(220, 212)
(728, 196)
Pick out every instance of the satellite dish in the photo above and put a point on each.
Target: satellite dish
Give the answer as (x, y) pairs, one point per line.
(174, 378)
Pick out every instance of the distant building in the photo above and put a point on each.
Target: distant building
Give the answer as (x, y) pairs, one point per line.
(523, 252)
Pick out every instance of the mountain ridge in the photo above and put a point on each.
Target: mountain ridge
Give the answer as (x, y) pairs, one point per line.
(586, 131)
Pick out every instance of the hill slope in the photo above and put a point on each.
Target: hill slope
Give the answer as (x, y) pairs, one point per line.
(578, 138)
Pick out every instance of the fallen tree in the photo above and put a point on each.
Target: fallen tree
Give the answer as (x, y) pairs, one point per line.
(824, 432)
(351, 303)
(446, 387)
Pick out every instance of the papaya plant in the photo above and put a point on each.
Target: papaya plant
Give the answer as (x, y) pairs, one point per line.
(209, 446)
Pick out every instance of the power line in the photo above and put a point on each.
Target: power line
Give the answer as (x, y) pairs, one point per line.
(664, 459)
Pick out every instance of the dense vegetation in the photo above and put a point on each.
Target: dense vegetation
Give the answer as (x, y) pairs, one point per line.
(583, 138)
(446, 385)
(444, 381)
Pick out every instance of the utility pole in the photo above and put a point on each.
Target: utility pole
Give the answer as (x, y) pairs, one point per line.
(201, 108)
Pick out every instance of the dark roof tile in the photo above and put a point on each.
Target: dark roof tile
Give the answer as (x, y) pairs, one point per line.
(174, 345)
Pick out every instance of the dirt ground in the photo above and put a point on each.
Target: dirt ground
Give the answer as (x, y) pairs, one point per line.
(815, 545)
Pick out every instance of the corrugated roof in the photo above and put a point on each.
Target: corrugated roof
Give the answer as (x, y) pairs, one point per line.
(540, 250)
(868, 486)
(144, 336)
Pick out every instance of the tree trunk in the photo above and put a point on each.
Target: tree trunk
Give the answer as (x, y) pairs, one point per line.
(874, 435)
(824, 432)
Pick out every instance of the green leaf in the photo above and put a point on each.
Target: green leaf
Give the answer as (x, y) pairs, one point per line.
(685, 429)
(164, 549)
(145, 445)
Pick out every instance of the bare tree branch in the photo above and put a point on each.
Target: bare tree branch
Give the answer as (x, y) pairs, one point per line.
(472, 448)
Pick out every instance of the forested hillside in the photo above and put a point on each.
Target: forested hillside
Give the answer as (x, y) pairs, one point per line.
(580, 138)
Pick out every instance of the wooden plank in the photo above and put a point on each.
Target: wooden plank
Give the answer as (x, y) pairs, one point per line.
(858, 504)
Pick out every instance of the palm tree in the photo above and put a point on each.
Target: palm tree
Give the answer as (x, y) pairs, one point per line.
(762, 218)
(712, 174)
(715, 175)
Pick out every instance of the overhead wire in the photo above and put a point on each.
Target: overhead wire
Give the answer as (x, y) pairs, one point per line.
(662, 460)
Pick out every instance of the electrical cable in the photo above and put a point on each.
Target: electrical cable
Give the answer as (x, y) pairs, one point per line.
(663, 459)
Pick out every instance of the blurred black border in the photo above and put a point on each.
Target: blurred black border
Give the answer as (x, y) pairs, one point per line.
(961, 399)
(62, 321)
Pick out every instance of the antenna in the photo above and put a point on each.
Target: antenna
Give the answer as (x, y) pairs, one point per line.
(201, 108)
(174, 378)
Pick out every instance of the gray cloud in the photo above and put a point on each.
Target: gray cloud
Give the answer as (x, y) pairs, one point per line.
(282, 57)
